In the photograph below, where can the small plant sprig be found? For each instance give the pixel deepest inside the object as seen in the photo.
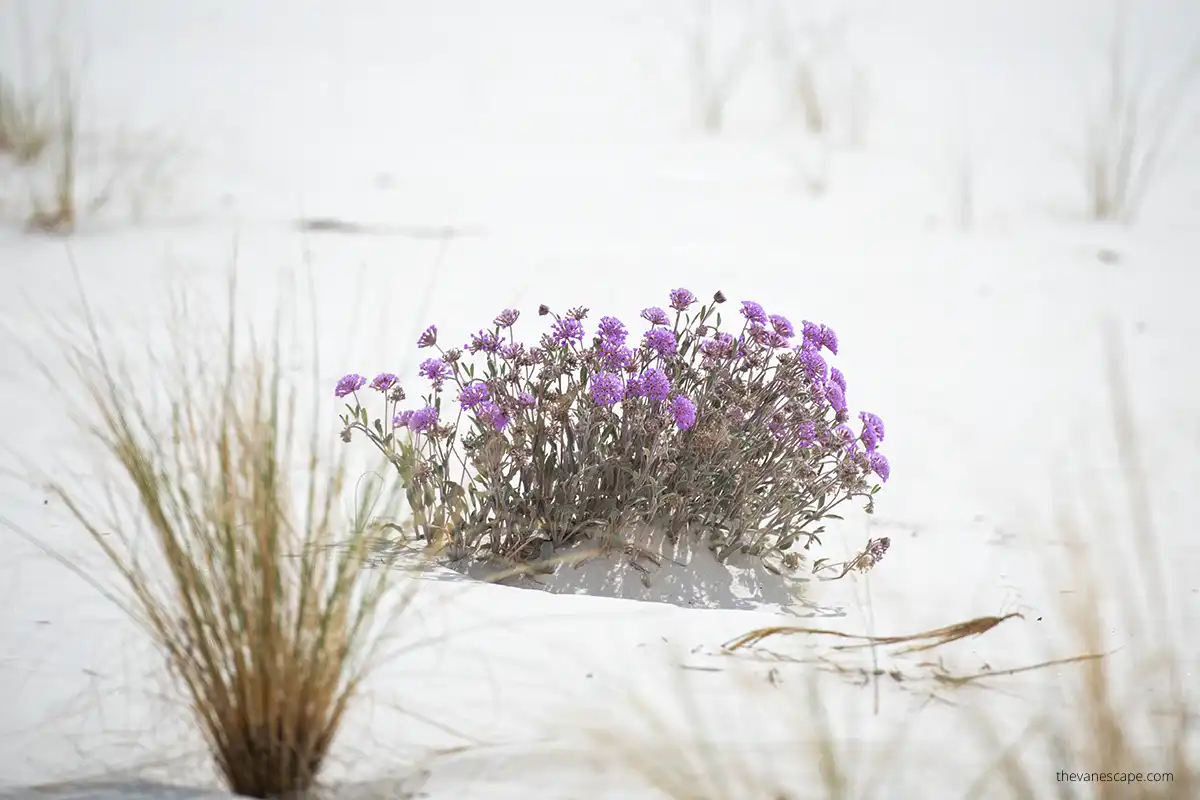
(740, 436)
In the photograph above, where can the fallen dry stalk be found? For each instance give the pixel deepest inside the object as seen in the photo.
(926, 640)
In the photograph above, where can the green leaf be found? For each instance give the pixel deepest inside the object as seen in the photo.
(379, 427)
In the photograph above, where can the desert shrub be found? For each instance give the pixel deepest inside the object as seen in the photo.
(737, 435)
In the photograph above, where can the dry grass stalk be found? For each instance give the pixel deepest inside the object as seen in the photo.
(1132, 132)
(714, 80)
(926, 640)
(269, 647)
(1104, 728)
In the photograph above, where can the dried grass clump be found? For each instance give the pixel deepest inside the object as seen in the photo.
(1134, 129)
(269, 628)
(25, 131)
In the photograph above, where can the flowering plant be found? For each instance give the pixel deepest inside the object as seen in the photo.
(741, 435)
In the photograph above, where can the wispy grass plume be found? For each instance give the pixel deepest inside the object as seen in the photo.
(225, 530)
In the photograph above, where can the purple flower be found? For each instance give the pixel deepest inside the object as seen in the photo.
(507, 318)
(526, 399)
(383, 381)
(401, 420)
(429, 337)
(485, 341)
(661, 341)
(634, 387)
(829, 339)
(836, 376)
(720, 346)
(511, 352)
(612, 330)
(880, 465)
(566, 330)
(684, 411)
(806, 433)
(607, 389)
(473, 394)
(655, 316)
(681, 299)
(872, 432)
(754, 312)
(814, 364)
(836, 397)
(655, 385)
(493, 415)
(349, 384)
(820, 336)
(436, 370)
(782, 326)
(423, 419)
(767, 337)
(844, 433)
(614, 357)
(869, 438)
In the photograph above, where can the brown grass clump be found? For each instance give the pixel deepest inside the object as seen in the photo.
(25, 132)
(268, 627)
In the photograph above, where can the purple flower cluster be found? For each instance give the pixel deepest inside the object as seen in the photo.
(655, 316)
(681, 299)
(566, 330)
(494, 416)
(754, 312)
(723, 345)
(349, 384)
(782, 326)
(607, 389)
(819, 336)
(417, 421)
(473, 394)
(612, 330)
(507, 318)
(436, 370)
(484, 341)
(383, 381)
(661, 341)
(684, 411)
(653, 384)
